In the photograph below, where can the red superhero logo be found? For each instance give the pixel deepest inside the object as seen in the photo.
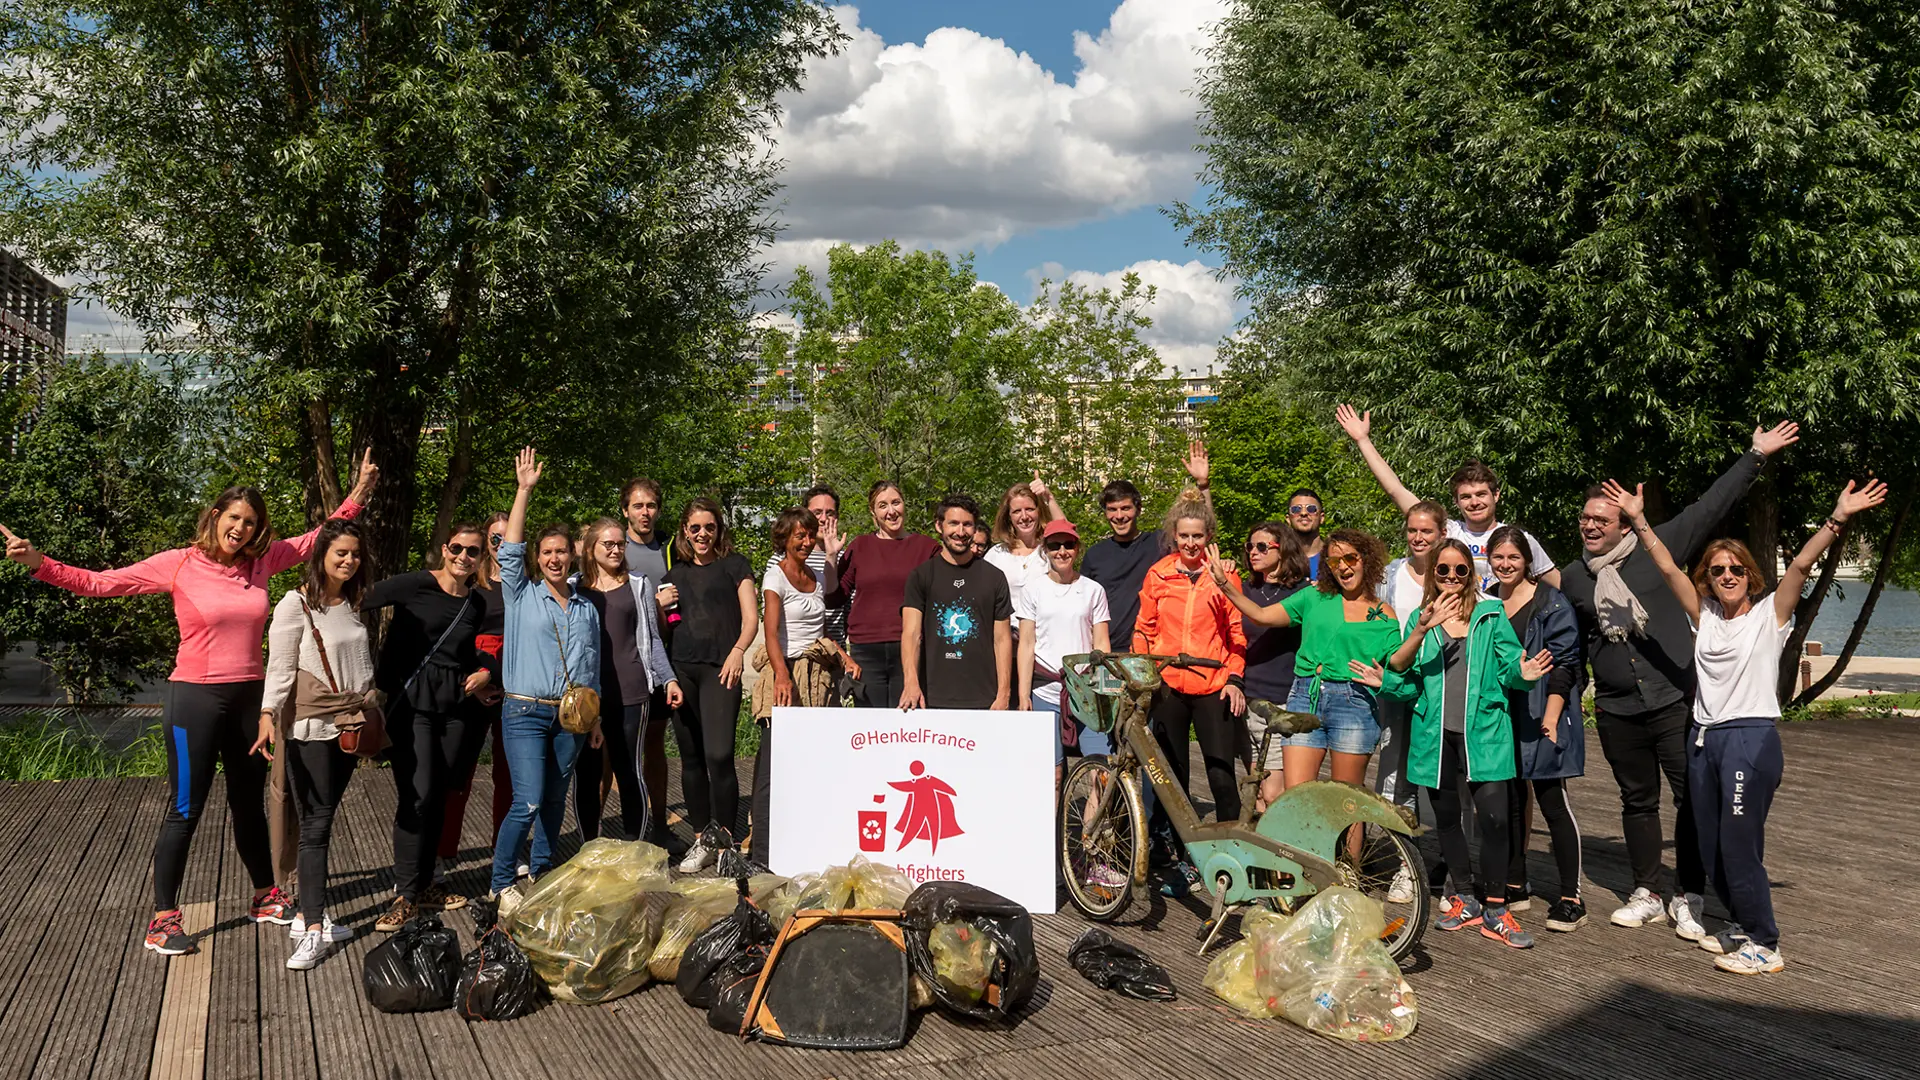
(928, 814)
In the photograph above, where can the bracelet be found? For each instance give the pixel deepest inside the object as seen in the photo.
(1835, 524)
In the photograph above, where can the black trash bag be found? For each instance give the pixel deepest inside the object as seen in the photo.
(1118, 966)
(496, 980)
(733, 983)
(1012, 967)
(744, 928)
(415, 970)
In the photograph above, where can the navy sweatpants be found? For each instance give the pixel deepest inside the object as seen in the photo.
(1733, 769)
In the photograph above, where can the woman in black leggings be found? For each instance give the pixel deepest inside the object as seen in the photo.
(719, 614)
(428, 668)
(212, 704)
(1549, 739)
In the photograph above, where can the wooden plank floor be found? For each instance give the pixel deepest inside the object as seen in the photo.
(79, 997)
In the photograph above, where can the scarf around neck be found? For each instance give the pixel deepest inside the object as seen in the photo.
(1619, 610)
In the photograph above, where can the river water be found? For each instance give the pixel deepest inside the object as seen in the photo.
(1894, 631)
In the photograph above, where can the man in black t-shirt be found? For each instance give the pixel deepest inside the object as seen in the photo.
(1119, 563)
(956, 644)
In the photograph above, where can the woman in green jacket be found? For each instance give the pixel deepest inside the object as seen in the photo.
(1456, 666)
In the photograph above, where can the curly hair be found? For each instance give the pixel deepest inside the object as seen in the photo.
(1373, 562)
(1292, 567)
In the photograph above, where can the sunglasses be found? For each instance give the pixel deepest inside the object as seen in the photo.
(703, 528)
(1452, 571)
(1063, 545)
(1259, 547)
(1302, 511)
(1727, 571)
(1345, 560)
(471, 551)
(494, 539)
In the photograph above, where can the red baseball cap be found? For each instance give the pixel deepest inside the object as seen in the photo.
(1060, 527)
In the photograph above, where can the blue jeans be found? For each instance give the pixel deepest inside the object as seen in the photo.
(1348, 721)
(540, 756)
(1091, 742)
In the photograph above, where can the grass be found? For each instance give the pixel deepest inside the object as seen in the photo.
(1867, 707)
(40, 747)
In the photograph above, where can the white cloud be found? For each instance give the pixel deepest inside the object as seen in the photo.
(960, 141)
(1193, 306)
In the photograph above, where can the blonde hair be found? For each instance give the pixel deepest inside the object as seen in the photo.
(1003, 531)
(1188, 504)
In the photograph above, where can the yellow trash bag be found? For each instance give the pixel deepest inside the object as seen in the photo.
(697, 904)
(1325, 969)
(590, 925)
(860, 885)
(962, 957)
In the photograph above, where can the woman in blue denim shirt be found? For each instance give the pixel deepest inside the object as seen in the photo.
(552, 638)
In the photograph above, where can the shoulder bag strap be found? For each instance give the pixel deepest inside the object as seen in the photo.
(320, 644)
(444, 635)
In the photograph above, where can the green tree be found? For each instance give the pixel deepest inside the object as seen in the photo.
(102, 478)
(1582, 239)
(411, 223)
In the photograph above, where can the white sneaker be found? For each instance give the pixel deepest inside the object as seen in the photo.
(329, 930)
(308, 953)
(1752, 959)
(1685, 913)
(697, 858)
(523, 870)
(509, 900)
(1401, 891)
(1641, 908)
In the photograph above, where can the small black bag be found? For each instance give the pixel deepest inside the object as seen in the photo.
(1118, 966)
(497, 980)
(745, 927)
(1016, 967)
(415, 970)
(733, 984)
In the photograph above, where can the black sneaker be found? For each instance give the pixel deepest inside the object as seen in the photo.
(167, 936)
(1566, 915)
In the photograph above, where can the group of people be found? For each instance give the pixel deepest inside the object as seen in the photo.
(1457, 670)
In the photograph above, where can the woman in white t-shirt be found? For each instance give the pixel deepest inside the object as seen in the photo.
(1060, 614)
(1024, 511)
(1734, 759)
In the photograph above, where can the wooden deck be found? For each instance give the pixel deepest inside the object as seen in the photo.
(79, 997)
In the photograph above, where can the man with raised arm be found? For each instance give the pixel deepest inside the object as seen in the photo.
(1476, 495)
(1120, 562)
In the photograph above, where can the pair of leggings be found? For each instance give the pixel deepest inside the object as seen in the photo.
(428, 749)
(1643, 748)
(1551, 797)
(703, 726)
(881, 677)
(460, 787)
(1174, 715)
(623, 729)
(318, 772)
(1735, 767)
(759, 848)
(204, 723)
(1490, 802)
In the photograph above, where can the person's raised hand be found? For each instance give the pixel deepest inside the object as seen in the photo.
(1038, 487)
(1770, 441)
(1367, 674)
(369, 475)
(1358, 425)
(1632, 504)
(830, 542)
(1535, 666)
(1197, 463)
(1219, 569)
(1445, 608)
(1851, 502)
(21, 550)
(526, 468)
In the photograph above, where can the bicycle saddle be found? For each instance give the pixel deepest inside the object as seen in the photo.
(1280, 721)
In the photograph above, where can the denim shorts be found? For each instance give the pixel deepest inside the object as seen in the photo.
(1349, 719)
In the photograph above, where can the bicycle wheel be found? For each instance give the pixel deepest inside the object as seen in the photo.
(1390, 870)
(1098, 862)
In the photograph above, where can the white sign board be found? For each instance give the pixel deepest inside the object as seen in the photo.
(939, 794)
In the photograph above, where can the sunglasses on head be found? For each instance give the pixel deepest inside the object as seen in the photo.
(471, 551)
(1452, 571)
(1727, 571)
(1302, 510)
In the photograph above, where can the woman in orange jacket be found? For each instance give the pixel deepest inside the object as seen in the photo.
(1182, 610)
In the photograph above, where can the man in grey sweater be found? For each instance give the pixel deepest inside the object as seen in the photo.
(1640, 646)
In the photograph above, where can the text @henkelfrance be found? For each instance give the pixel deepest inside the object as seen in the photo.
(909, 737)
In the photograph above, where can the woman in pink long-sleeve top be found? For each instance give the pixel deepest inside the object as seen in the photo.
(212, 704)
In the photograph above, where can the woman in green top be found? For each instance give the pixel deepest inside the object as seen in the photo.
(1456, 668)
(1342, 619)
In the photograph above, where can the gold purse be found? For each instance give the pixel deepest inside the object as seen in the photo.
(579, 705)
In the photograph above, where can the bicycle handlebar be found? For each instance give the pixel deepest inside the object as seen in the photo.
(1160, 661)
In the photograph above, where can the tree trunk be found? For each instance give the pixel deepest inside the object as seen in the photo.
(459, 468)
(323, 466)
(1763, 522)
(1880, 571)
(1804, 613)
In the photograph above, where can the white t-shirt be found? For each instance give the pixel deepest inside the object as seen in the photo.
(1020, 569)
(803, 615)
(1737, 662)
(1404, 592)
(1063, 618)
(1477, 544)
